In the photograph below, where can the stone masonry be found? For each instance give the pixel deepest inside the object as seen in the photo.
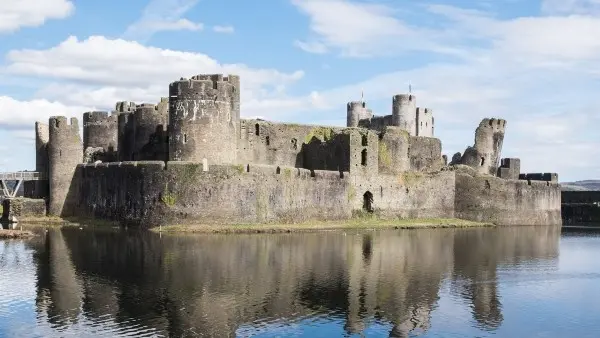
(192, 159)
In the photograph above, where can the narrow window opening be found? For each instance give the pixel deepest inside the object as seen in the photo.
(482, 161)
(184, 138)
(363, 160)
(257, 129)
(365, 141)
(267, 140)
(278, 171)
(248, 168)
(368, 202)
(60, 153)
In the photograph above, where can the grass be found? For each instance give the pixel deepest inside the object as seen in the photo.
(362, 223)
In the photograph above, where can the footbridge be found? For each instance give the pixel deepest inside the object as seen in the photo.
(17, 179)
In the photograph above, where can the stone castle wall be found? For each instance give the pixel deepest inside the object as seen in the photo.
(507, 202)
(152, 193)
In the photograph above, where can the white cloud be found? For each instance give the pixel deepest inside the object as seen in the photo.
(313, 47)
(100, 71)
(15, 14)
(224, 29)
(162, 15)
(177, 25)
(33, 110)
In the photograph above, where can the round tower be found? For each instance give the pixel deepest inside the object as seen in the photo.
(65, 152)
(125, 136)
(204, 116)
(100, 130)
(354, 111)
(150, 131)
(404, 111)
(125, 110)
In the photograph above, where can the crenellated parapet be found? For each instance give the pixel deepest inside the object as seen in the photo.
(65, 152)
(204, 119)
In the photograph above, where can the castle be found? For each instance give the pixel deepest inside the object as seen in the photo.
(192, 159)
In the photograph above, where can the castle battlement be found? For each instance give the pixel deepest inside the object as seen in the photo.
(191, 158)
(125, 106)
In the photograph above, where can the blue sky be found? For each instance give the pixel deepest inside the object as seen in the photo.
(533, 62)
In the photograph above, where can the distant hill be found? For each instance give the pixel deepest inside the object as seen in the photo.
(586, 185)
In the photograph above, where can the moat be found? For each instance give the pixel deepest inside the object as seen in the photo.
(506, 282)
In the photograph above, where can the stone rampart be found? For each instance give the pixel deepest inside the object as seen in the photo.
(507, 202)
(151, 193)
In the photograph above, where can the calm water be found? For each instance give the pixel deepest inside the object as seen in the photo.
(508, 282)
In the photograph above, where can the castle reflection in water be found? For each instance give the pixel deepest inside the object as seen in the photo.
(219, 284)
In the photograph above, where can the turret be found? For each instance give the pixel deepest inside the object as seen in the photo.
(100, 130)
(404, 110)
(65, 152)
(150, 132)
(204, 116)
(124, 110)
(353, 113)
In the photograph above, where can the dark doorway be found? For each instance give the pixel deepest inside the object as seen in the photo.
(368, 202)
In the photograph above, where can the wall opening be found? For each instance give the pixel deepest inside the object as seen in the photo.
(368, 202)
(257, 129)
(248, 168)
(278, 171)
(482, 161)
(267, 140)
(184, 138)
(363, 157)
(365, 141)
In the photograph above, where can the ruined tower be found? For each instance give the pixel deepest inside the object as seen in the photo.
(39, 189)
(424, 122)
(485, 154)
(125, 137)
(65, 152)
(204, 116)
(404, 110)
(150, 132)
(100, 130)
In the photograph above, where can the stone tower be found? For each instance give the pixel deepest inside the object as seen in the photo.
(125, 137)
(404, 111)
(204, 117)
(485, 153)
(356, 111)
(150, 133)
(100, 130)
(65, 152)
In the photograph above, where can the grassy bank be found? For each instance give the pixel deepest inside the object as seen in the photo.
(358, 224)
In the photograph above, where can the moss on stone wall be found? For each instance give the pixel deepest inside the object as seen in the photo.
(384, 155)
(410, 178)
(351, 193)
(324, 134)
(167, 197)
(287, 172)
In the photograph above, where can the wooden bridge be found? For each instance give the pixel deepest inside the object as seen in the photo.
(18, 178)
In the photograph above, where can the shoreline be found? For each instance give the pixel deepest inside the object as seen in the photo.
(316, 226)
(362, 223)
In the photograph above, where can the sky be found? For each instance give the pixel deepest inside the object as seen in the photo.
(535, 63)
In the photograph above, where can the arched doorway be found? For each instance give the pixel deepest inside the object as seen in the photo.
(368, 202)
